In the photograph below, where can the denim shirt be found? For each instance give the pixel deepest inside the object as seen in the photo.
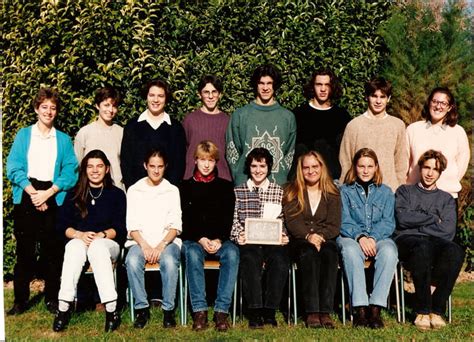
(371, 215)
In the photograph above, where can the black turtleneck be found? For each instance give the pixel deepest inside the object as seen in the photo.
(365, 185)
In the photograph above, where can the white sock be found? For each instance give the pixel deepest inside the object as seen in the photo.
(111, 306)
(63, 305)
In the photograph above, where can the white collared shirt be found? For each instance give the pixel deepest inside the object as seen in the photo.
(264, 186)
(146, 116)
(42, 154)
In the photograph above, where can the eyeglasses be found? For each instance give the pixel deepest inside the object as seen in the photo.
(442, 104)
(208, 93)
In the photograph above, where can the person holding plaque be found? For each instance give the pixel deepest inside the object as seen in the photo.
(312, 209)
(261, 199)
(367, 224)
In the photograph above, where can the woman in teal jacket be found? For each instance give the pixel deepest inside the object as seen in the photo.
(42, 166)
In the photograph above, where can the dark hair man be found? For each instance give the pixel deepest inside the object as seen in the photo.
(320, 123)
(426, 219)
(383, 133)
(262, 123)
(153, 129)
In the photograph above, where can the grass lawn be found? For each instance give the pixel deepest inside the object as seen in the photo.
(36, 324)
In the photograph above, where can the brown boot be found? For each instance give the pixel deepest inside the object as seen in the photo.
(222, 324)
(312, 320)
(361, 317)
(326, 320)
(200, 320)
(375, 319)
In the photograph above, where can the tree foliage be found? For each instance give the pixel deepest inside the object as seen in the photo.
(430, 44)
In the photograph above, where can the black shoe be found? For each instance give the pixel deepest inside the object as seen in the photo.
(375, 321)
(268, 316)
(168, 319)
(255, 319)
(361, 317)
(52, 306)
(17, 309)
(112, 320)
(61, 320)
(141, 317)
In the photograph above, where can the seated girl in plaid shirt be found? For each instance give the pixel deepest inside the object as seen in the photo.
(259, 198)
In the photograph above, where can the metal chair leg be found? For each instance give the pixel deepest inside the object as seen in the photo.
(343, 297)
(295, 309)
(402, 293)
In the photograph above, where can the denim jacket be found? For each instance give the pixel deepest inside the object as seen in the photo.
(371, 215)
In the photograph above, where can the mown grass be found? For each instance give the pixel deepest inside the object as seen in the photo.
(35, 325)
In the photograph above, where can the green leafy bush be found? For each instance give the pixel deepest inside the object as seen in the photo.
(78, 46)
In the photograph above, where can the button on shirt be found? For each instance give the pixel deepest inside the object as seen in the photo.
(42, 154)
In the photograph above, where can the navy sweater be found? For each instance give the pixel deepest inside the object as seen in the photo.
(109, 211)
(140, 137)
(425, 212)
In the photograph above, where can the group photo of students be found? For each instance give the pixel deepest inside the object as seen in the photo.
(342, 191)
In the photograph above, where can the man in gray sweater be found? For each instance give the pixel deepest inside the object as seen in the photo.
(426, 227)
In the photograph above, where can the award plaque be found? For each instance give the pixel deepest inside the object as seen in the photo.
(263, 231)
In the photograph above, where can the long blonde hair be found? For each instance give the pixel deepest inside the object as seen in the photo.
(296, 188)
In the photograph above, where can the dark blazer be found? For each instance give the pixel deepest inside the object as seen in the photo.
(326, 221)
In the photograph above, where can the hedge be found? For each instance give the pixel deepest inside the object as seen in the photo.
(78, 46)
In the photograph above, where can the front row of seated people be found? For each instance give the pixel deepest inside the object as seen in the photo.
(321, 222)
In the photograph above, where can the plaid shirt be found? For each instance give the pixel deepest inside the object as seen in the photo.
(250, 203)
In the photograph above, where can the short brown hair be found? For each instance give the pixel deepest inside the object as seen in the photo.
(378, 83)
(105, 93)
(451, 118)
(47, 94)
(441, 161)
(156, 83)
(207, 148)
(351, 175)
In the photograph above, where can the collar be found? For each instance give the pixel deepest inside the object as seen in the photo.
(429, 125)
(36, 132)
(146, 116)
(264, 186)
(422, 187)
(198, 177)
(371, 117)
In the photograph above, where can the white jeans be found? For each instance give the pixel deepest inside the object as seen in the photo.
(100, 253)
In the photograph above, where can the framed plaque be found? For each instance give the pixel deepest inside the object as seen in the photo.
(263, 231)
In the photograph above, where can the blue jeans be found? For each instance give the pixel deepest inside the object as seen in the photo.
(169, 265)
(195, 255)
(353, 258)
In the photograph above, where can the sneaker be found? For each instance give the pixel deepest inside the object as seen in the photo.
(422, 322)
(436, 321)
